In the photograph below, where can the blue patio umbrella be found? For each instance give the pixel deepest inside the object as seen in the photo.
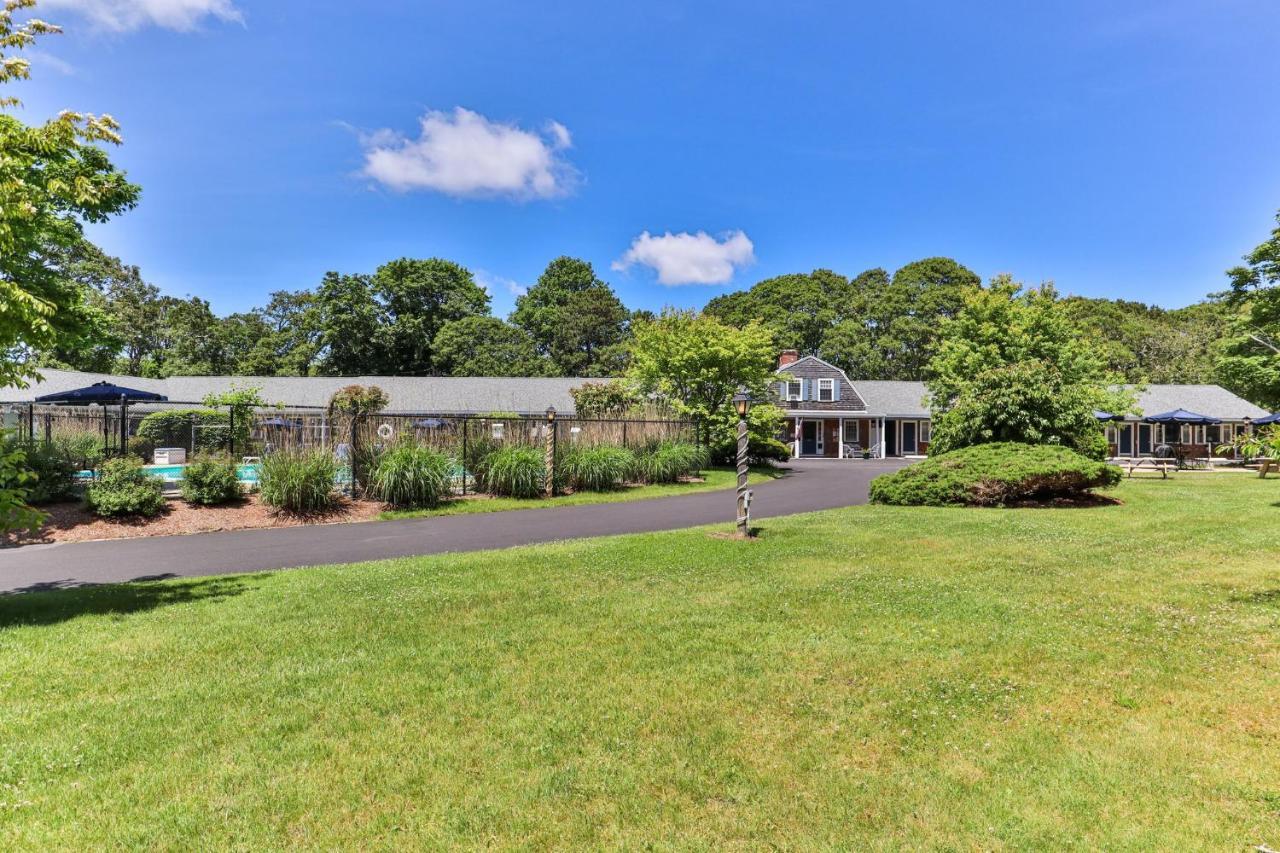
(1269, 419)
(1106, 416)
(429, 423)
(105, 394)
(1181, 416)
(288, 423)
(102, 393)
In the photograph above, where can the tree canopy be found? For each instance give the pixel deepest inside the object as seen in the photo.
(53, 178)
(486, 346)
(574, 318)
(1250, 359)
(1012, 366)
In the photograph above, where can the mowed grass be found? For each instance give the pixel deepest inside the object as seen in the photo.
(710, 480)
(869, 678)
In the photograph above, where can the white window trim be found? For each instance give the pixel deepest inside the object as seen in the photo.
(829, 386)
(856, 438)
(798, 392)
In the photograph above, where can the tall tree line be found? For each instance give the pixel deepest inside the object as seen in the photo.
(431, 317)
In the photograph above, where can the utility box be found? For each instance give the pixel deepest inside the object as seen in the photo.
(170, 456)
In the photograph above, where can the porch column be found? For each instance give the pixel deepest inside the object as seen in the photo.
(839, 438)
(797, 438)
(880, 439)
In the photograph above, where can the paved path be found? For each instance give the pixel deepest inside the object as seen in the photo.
(811, 485)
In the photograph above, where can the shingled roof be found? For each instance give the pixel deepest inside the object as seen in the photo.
(413, 394)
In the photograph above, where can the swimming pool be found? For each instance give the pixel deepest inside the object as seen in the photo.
(173, 473)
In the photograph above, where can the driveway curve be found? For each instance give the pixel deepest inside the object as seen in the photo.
(811, 484)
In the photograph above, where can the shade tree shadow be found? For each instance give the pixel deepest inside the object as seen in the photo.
(51, 602)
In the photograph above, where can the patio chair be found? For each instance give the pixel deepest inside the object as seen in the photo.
(852, 450)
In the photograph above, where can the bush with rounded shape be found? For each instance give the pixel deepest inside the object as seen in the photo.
(124, 488)
(195, 429)
(211, 480)
(518, 472)
(300, 482)
(994, 475)
(409, 475)
(597, 469)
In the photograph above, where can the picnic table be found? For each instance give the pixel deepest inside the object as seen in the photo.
(1150, 463)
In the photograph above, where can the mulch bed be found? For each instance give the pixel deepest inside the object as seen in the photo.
(71, 522)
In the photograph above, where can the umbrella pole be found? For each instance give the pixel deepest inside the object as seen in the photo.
(124, 425)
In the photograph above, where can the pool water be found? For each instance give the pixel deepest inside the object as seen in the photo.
(173, 473)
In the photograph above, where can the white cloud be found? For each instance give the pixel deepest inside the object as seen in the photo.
(40, 59)
(686, 258)
(465, 154)
(491, 283)
(125, 15)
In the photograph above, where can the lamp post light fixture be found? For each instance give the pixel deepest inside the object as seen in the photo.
(549, 460)
(742, 405)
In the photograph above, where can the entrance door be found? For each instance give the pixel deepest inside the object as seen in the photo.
(809, 438)
(890, 438)
(1126, 440)
(909, 437)
(1144, 438)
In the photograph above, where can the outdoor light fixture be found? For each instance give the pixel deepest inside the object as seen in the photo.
(551, 413)
(742, 402)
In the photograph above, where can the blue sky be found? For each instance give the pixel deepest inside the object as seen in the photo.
(1124, 150)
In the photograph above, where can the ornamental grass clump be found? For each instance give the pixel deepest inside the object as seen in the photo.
(597, 469)
(669, 462)
(211, 480)
(518, 472)
(994, 475)
(408, 475)
(299, 482)
(124, 488)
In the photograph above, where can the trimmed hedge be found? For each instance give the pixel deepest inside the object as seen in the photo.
(994, 475)
(172, 428)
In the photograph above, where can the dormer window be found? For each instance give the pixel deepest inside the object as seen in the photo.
(795, 388)
(826, 390)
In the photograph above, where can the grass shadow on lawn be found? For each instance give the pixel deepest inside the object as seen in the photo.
(52, 602)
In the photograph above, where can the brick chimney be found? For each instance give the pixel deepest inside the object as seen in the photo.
(787, 356)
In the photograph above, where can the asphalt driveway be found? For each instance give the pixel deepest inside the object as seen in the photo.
(810, 485)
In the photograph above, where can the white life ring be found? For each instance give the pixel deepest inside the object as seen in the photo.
(385, 431)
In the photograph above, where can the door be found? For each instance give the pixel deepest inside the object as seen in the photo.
(890, 438)
(809, 438)
(1126, 440)
(909, 437)
(1144, 438)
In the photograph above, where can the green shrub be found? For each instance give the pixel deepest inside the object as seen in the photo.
(83, 449)
(411, 476)
(596, 469)
(55, 474)
(299, 482)
(211, 480)
(519, 472)
(669, 462)
(124, 488)
(993, 475)
(173, 428)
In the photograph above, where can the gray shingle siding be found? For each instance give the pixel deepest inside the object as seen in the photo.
(810, 369)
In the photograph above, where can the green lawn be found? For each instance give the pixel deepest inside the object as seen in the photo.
(866, 678)
(712, 479)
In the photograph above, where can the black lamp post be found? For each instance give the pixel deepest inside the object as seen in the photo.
(549, 461)
(742, 405)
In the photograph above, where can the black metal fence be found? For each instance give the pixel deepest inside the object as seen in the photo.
(95, 432)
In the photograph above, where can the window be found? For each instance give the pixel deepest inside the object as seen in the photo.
(826, 390)
(924, 430)
(794, 389)
(852, 432)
